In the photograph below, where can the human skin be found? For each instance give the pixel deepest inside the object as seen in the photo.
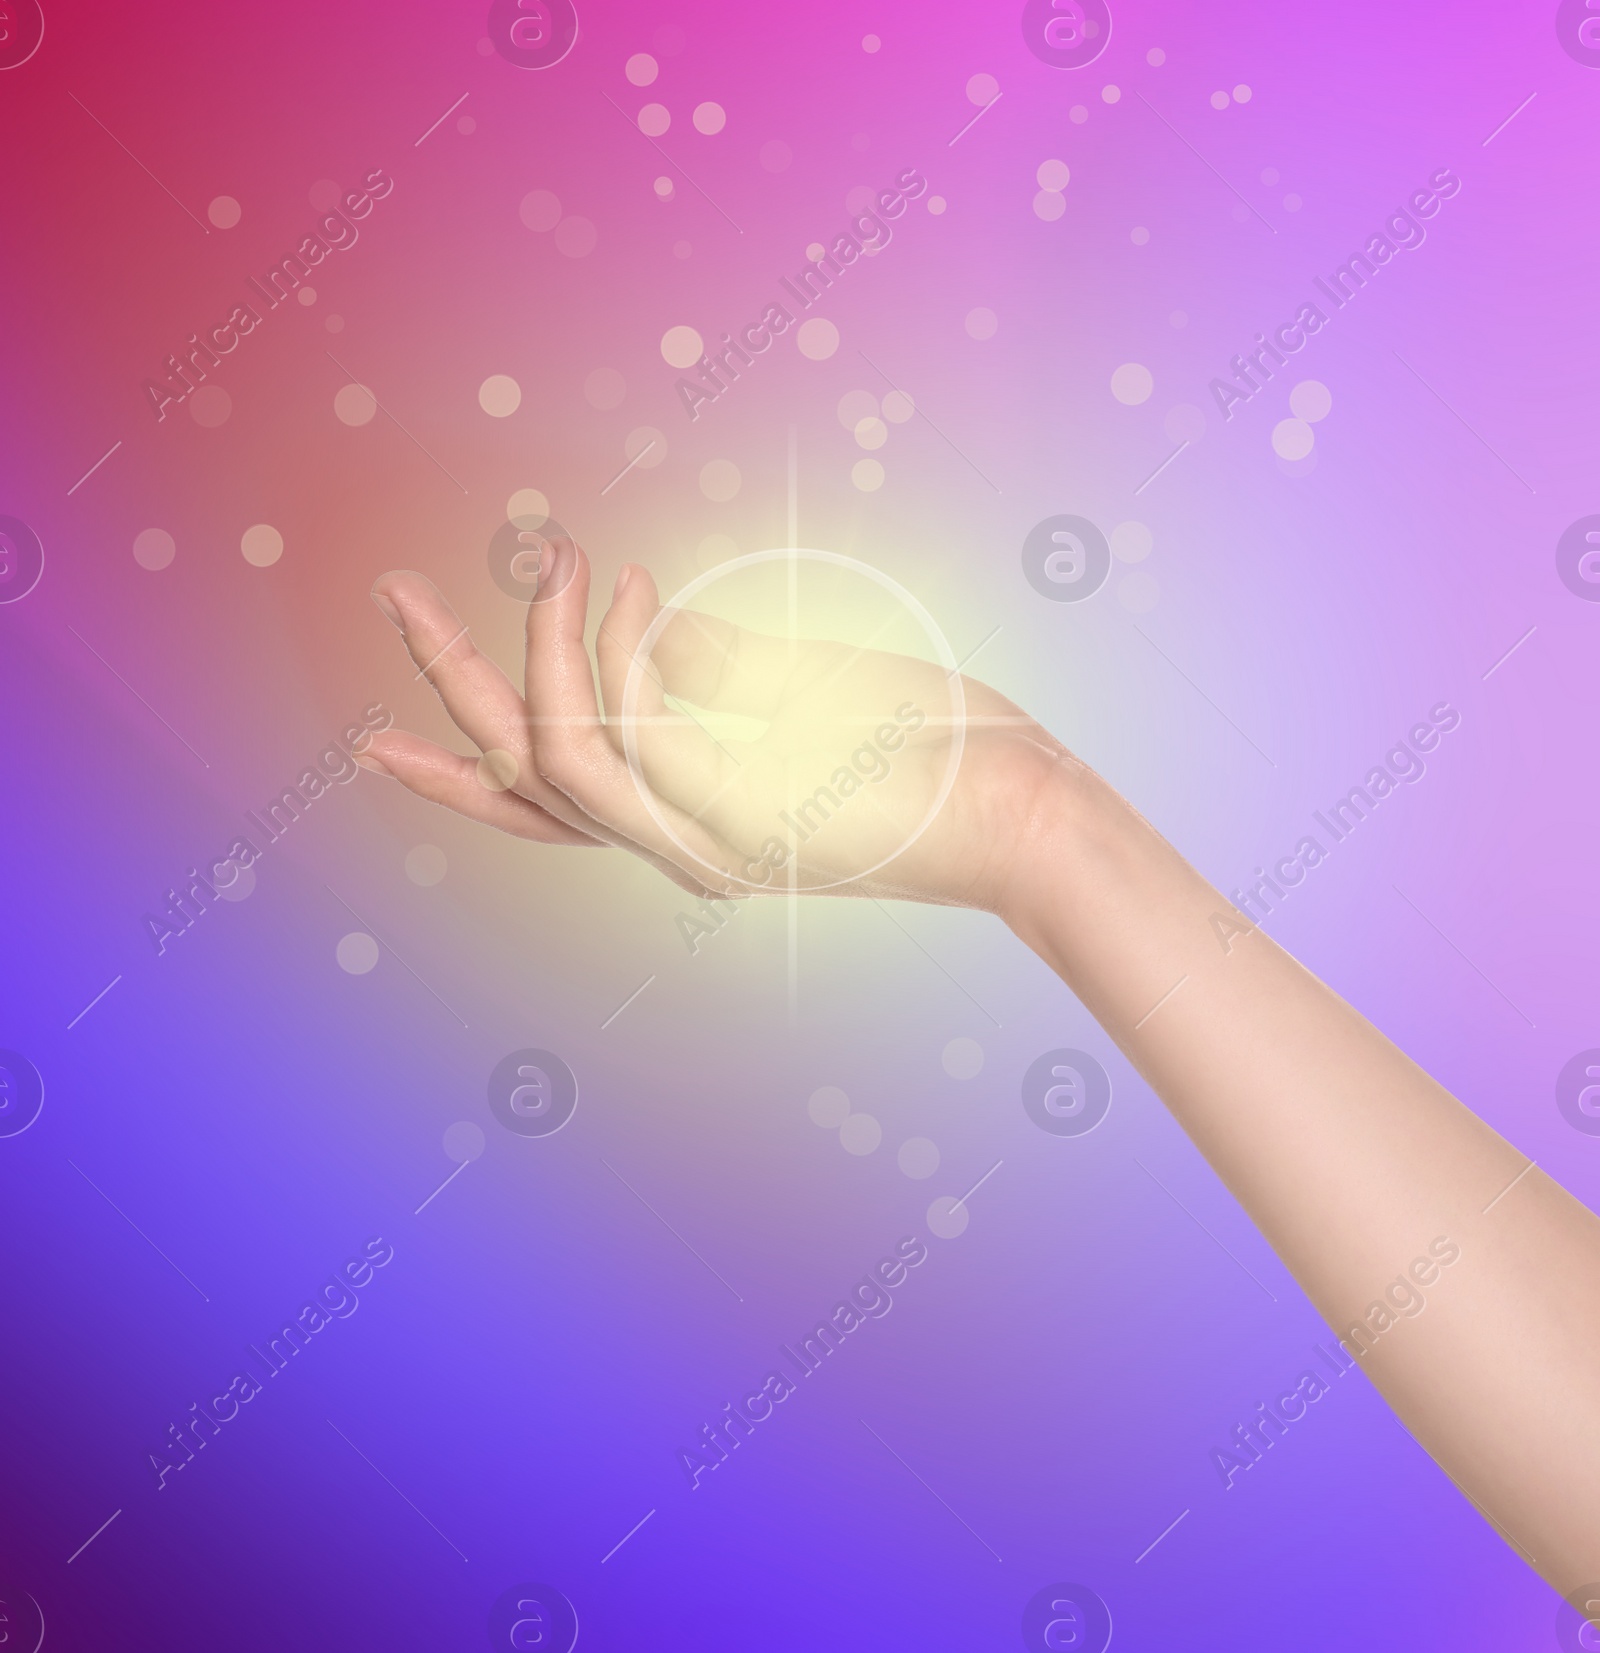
(1350, 1159)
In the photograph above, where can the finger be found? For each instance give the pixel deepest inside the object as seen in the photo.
(634, 605)
(459, 784)
(680, 758)
(721, 666)
(715, 664)
(469, 786)
(480, 698)
(571, 750)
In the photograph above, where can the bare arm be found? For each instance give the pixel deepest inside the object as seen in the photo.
(1353, 1163)
(1466, 1282)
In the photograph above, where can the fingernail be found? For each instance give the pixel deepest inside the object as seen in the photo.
(624, 577)
(387, 608)
(557, 563)
(367, 761)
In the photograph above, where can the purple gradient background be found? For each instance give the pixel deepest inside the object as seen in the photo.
(526, 1369)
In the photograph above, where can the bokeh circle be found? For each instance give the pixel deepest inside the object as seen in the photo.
(834, 559)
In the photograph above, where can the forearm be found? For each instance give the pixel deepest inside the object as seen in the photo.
(1352, 1161)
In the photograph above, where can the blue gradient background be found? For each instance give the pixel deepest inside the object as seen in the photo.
(526, 1370)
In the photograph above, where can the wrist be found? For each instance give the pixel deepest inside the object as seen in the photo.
(1100, 895)
(1062, 816)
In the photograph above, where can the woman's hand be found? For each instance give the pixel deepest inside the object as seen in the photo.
(875, 773)
(872, 774)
